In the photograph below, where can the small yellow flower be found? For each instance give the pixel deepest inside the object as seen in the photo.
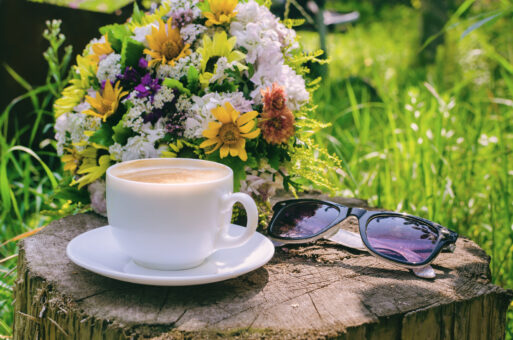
(229, 133)
(166, 44)
(221, 12)
(100, 49)
(86, 68)
(92, 167)
(106, 104)
(72, 95)
(178, 148)
(71, 160)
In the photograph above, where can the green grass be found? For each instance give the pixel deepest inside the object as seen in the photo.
(434, 141)
(29, 174)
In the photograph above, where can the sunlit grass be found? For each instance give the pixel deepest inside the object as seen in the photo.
(434, 142)
(29, 174)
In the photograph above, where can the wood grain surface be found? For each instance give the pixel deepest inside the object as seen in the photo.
(322, 290)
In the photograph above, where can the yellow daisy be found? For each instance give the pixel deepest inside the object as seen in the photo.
(221, 12)
(166, 44)
(105, 104)
(213, 49)
(230, 132)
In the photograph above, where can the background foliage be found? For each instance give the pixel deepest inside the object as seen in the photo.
(434, 140)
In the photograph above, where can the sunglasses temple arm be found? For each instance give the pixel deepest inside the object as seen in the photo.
(348, 239)
(353, 240)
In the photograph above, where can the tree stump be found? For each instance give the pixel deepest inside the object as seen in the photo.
(313, 291)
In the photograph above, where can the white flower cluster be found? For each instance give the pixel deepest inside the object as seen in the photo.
(187, 5)
(262, 182)
(142, 145)
(221, 66)
(191, 32)
(164, 95)
(109, 68)
(133, 119)
(142, 31)
(180, 68)
(70, 128)
(199, 114)
(266, 40)
(183, 103)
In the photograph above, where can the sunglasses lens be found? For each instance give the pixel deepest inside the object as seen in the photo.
(300, 221)
(401, 238)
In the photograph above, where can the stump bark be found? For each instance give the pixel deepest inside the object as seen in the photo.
(306, 291)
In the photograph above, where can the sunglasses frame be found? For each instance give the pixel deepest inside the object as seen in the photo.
(446, 238)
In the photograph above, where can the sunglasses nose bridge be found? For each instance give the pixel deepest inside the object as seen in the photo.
(357, 212)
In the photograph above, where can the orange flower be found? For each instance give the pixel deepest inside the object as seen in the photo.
(277, 123)
(274, 99)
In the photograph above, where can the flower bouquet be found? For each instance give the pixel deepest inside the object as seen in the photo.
(217, 79)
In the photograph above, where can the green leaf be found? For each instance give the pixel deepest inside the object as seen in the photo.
(204, 6)
(252, 162)
(103, 136)
(193, 79)
(274, 160)
(251, 70)
(176, 84)
(121, 133)
(137, 15)
(479, 24)
(71, 193)
(236, 164)
(116, 33)
(131, 52)
(226, 86)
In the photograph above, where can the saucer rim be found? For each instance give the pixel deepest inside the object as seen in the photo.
(166, 280)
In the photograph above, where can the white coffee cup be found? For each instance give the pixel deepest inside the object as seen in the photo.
(178, 224)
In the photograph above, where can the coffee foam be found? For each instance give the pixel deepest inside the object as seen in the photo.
(173, 175)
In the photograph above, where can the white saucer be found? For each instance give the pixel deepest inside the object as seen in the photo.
(97, 251)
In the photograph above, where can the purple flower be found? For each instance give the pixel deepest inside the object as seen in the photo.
(148, 86)
(143, 63)
(143, 91)
(153, 116)
(130, 75)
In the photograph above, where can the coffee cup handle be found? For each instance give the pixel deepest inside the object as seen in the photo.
(226, 241)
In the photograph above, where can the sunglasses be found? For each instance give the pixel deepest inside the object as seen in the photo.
(408, 241)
